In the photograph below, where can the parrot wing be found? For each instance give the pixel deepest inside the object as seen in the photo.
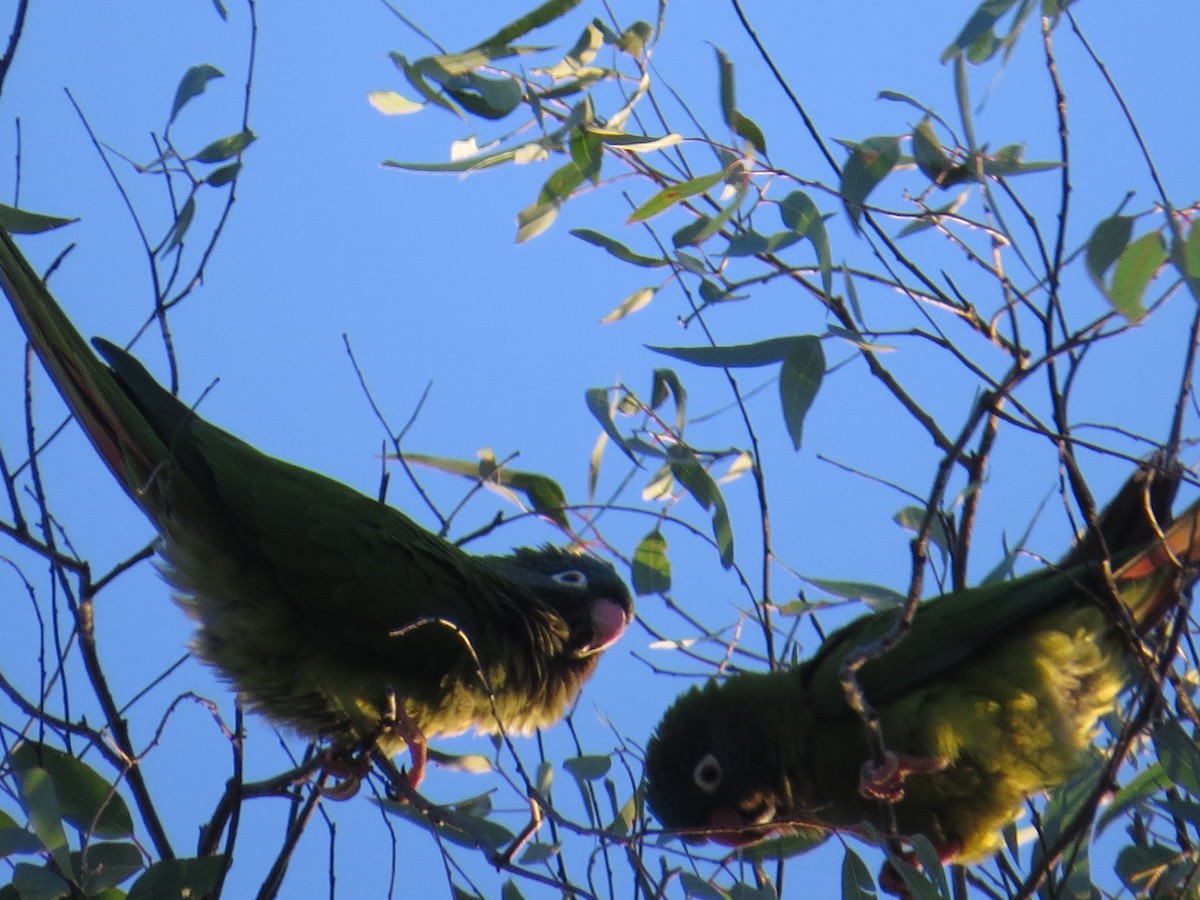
(953, 628)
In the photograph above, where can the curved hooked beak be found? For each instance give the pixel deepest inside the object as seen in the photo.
(609, 621)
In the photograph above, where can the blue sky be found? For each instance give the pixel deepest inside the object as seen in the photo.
(422, 275)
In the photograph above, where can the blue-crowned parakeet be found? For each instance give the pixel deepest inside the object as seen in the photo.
(330, 612)
(993, 696)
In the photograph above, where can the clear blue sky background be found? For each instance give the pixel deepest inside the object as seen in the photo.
(422, 274)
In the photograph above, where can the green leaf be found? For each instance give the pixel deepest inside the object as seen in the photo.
(927, 112)
(723, 532)
(633, 40)
(978, 27)
(617, 249)
(749, 243)
(869, 163)
(1104, 247)
(858, 340)
(910, 517)
(474, 763)
(587, 152)
(1144, 785)
(182, 223)
(534, 219)
(225, 148)
(1133, 273)
(1185, 810)
(928, 153)
(710, 225)
(919, 886)
(725, 82)
(88, 800)
(797, 841)
(488, 98)
(38, 883)
(857, 883)
(15, 841)
(667, 384)
(535, 18)
(21, 221)
(801, 214)
(478, 833)
(556, 190)
(582, 54)
(651, 567)
(690, 473)
(1140, 868)
(1190, 264)
(544, 778)
(626, 816)
(108, 864)
(695, 886)
(745, 127)
(391, 103)
(669, 196)
(1178, 755)
(874, 595)
(475, 163)
(178, 878)
(597, 404)
(635, 143)
(544, 495)
(930, 218)
(736, 356)
(631, 304)
(537, 852)
(1062, 810)
(223, 175)
(588, 768)
(45, 814)
(193, 83)
(799, 380)
(1008, 160)
(931, 863)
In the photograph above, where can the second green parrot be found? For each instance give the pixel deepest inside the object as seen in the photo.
(991, 697)
(330, 612)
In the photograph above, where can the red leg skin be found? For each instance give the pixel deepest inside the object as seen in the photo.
(418, 746)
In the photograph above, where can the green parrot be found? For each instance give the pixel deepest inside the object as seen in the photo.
(993, 696)
(328, 611)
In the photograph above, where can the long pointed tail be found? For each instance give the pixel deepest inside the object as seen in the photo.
(1151, 581)
(113, 422)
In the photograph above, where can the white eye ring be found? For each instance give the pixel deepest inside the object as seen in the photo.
(707, 774)
(571, 578)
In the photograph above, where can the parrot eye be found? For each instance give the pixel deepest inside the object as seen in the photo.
(707, 774)
(571, 578)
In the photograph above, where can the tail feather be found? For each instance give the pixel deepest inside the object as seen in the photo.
(117, 429)
(1151, 581)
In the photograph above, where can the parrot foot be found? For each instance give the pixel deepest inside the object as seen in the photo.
(348, 768)
(397, 721)
(886, 781)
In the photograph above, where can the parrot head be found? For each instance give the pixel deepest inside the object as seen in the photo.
(714, 767)
(585, 592)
